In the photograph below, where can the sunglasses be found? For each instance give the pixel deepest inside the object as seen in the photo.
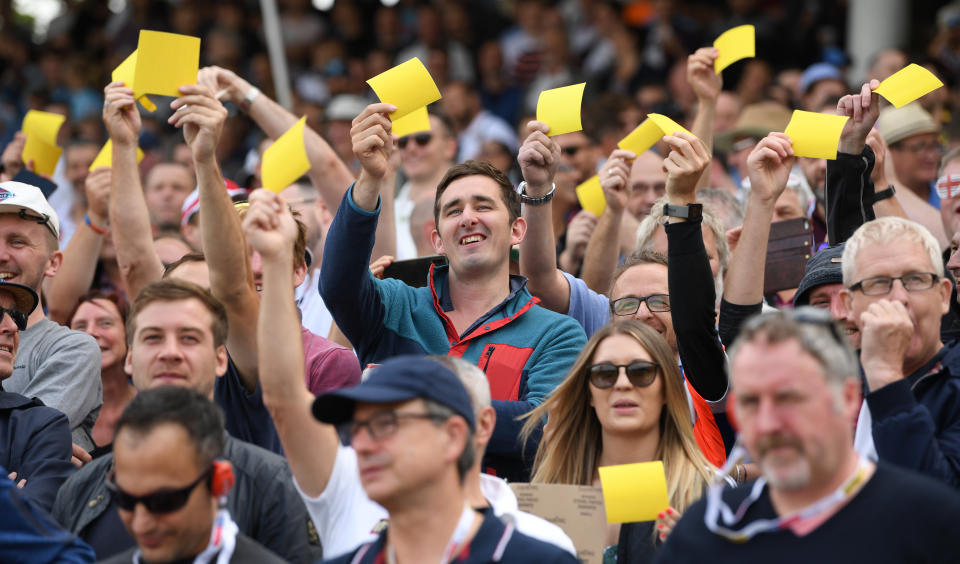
(571, 150)
(163, 501)
(420, 139)
(19, 318)
(641, 373)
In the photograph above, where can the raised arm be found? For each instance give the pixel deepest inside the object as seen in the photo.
(539, 158)
(707, 85)
(201, 117)
(82, 253)
(603, 250)
(129, 216)
(310, 446)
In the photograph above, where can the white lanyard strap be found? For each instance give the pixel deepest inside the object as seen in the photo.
(459, 535)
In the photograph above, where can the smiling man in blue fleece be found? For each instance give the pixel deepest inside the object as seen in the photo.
(473, 308)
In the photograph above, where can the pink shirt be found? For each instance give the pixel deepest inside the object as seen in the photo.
(329, 366)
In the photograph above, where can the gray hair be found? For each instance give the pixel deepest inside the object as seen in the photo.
(710, 219)
(883, 231)
(730, 210)
(816, 332)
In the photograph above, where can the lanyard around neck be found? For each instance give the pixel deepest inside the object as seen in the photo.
(717, 509)
(459, 535)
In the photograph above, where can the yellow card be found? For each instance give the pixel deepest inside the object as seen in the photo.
(634, 492)
(560, 108)
(408, 86)
(41, 129)
(908, 84)
(649, 132)
(286, 160)
(416, 121)
(591, 197)
(125, 72)
(105, 156)
(734, 44)
(815, 135)
(165, 62)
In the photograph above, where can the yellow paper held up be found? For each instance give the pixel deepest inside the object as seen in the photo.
(908, 84)
(41, 129)
(286, 160)
(734, 44)
(815, 135)
(408, 86)
(105, 156)
(649, 132)
(560, 108)
(591, 197)
(634, 492)
(416, 121)
(125, 73)
(165, 62)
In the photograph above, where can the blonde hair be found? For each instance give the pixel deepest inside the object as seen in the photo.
(881, 232)
(570, 452)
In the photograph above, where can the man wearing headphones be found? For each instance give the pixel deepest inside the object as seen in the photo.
(170, 484)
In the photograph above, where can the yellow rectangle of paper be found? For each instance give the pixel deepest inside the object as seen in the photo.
(125, 72)
(41, 129)
(634, 492)
(560, 108)
(286, 160)
(734, 44)
(416, 121)
(649, 132)
(908, 84)
(815, 135)
(408, 86)
(165, 62)
(591, 197)
(105, 156)
(667, 125)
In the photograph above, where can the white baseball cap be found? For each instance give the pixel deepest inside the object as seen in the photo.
(20, 198)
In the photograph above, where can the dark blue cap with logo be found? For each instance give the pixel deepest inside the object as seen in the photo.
(399, 379)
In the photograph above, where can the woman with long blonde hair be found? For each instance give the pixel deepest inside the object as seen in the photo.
(623, 401)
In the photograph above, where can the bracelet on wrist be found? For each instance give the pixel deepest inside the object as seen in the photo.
(531, 201)
(94, 228)
(249, 98)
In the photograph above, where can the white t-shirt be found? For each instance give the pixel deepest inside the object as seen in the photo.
(345, 517)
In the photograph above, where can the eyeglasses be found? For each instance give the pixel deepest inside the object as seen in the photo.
(571, 150)
(641, 373)
(920, 148)
(19, 318)
(881, 285)
(420, 139)
(385, 424)
(163, 501)
(630, 304)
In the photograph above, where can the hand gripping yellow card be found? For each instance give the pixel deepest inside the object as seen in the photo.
(165, 62)
(649, 132)
(634, 492)
(286, 160)
(815, 135)
(908, 84)
(41, 129)
(105, 156)
(591, 197)
(734, 44)
(560, 108)
(408, 86)
(125, 73)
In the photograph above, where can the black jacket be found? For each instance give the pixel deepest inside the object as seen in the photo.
(263, 502)
(247, 551)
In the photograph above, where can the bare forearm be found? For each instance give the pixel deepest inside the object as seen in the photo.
(744, 281)
(366, 191)
(75, 275)
(538, 260)
(231, 277)
(601, 257)
(130, 223)
(385, 241)
(703, 128)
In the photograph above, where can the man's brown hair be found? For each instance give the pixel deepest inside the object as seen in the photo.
(175, 290)
(479, 168)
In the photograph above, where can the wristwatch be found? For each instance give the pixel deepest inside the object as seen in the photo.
(884, 194)
(530, 201)
(689, 211)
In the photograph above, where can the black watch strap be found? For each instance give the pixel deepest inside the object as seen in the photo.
(689, 211)
(884, 194)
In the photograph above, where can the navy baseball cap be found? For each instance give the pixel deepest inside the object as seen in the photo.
(824, 267)
(399, 379)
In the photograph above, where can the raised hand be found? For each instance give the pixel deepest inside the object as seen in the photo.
(769, 166)
(219, 79)
(269, 225)
(120, 114)
(201, 116)
(863, 109)
(97, 187)
(705, 82)
(539, 157)
(378, 266)
(12, 157)
(614, 177)
(879, 174)
(687, 160)
(372, 143)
